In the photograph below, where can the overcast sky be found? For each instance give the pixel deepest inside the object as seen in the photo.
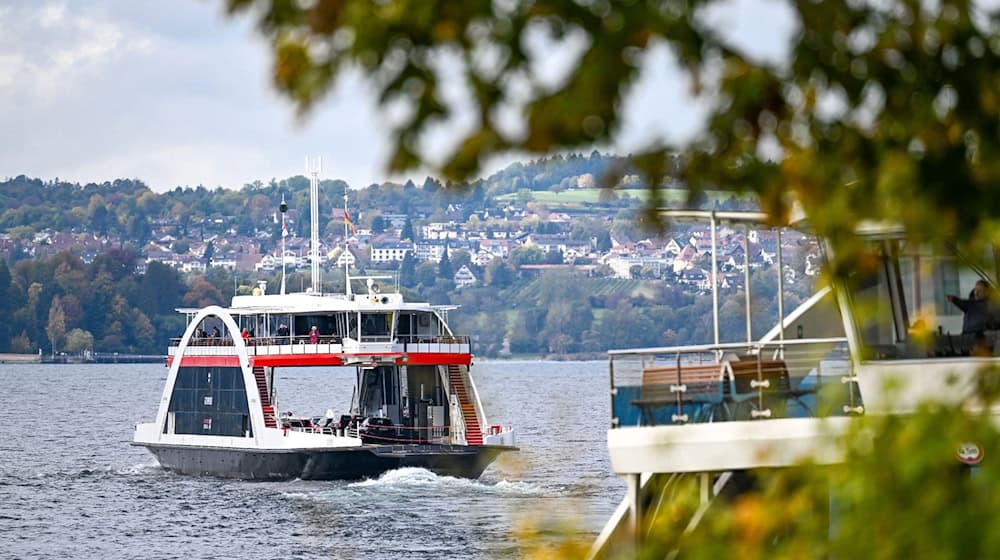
(175, 93)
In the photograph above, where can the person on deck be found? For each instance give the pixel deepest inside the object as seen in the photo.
(313, 335)
(981, 312)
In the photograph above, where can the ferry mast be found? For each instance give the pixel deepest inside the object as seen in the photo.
(314, 167)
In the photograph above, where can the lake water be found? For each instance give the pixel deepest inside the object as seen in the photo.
(71, 486)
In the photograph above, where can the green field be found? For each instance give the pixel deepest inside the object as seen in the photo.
(579, 197)
(593, 286)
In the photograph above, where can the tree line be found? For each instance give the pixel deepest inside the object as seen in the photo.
(63, 304)
(128, 209)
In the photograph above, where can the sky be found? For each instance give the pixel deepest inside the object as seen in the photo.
(178, 94)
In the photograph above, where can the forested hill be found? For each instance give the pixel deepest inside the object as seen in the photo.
(125, 207)
(100, 265)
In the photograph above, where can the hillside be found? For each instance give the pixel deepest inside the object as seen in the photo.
(102, 266)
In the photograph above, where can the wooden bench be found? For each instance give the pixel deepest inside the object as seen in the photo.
(662, 387)
(766, 381)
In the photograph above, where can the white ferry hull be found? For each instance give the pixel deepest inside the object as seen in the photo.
(345, 463)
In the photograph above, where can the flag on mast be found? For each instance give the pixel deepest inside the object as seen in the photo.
(350, 224)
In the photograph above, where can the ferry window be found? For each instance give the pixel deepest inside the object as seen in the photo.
(437, 327)
(928, 278)
(873, 308)
(352, 325)
(424, 324)
(325, 324)
(405, 326)
(901, 305)
(375, 324)
(198, 406)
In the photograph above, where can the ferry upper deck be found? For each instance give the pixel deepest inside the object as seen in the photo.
(329, 330)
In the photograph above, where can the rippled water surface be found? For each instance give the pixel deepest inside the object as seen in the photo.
(71, 486)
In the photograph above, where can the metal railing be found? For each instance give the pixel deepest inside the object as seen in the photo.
(329, 344)
(376, 434)
(432, 339)
(730, 382)
(260, 341)
(443, 344)
(325, 339)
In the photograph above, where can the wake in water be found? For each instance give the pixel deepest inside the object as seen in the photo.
(151, 466)
(138, 469)
(412, 477)
(417, 481)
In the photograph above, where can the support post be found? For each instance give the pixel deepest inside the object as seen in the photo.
(715, 282)
(633, 491)
(611, 391)
(781, 299)
(746, 281)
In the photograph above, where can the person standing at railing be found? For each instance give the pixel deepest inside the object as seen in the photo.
(981, 311)
(313, 335)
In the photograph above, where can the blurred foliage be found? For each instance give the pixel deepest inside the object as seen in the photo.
(901, 492)
(882, 111)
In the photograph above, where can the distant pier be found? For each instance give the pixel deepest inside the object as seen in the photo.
(20, 359)
(89, 358)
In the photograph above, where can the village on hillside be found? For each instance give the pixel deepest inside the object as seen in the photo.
(682, 256)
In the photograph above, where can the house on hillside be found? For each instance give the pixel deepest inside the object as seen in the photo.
(464, 277)
(226, 261)
(346, 258)
(434, 250)
(190, 263)
(268, 263)
(685, 259)
(672, 247)
(389, 251)
(577, 248)
(482, 258)
(441, 230)
(495, 247)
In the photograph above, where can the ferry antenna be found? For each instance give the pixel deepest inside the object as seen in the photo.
(284, 233)
(347, 263)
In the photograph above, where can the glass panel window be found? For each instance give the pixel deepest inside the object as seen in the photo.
(375, 324)
(911, 301)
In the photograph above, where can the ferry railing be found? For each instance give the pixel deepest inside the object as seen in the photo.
(446, 344)
(260, 341)
(294, 344)
(382, 434)
(732, 381)
(375, 338)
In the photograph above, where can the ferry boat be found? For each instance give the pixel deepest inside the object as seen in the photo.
(414, 404)
(698, 418)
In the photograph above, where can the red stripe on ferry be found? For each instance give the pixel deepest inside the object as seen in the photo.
(207, 361)
(421, 359)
